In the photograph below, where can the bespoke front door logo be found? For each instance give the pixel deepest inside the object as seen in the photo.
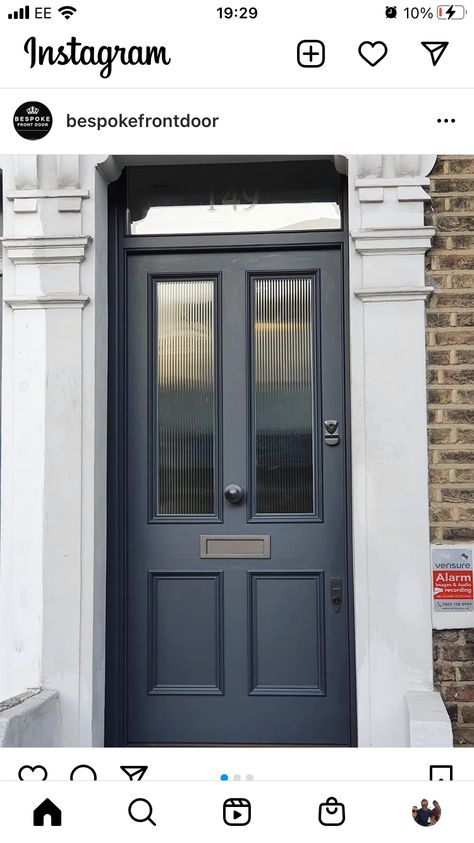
(32, 120)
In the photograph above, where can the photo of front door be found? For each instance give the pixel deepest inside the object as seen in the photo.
(236, 594)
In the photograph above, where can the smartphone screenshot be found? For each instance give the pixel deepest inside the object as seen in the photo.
(236, 419)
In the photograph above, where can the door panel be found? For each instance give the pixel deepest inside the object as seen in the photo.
(234, 360)
(185, 633)
(287, 658)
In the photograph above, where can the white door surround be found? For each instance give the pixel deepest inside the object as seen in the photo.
(54, 441)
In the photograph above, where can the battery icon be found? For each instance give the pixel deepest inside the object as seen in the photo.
(451, 12)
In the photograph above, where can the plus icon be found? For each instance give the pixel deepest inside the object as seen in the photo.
(311, 54)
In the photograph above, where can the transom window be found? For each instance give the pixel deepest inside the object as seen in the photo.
(256, 196)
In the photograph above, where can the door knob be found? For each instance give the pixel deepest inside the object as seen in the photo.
(233, 493)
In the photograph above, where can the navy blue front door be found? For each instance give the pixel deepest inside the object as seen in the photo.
(237, 598)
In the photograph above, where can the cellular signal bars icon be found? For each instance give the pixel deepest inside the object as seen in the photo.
(20, 14)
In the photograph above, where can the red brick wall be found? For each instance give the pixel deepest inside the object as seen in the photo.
(450, 370)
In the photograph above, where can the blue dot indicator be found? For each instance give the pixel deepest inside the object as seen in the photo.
(224, 777)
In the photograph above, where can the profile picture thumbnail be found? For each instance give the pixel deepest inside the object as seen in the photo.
(426, 814)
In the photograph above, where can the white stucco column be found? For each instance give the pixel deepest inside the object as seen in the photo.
(48, 578)
(389, 444)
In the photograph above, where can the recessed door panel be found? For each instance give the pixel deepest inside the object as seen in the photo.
(185, 633)
(287, 633)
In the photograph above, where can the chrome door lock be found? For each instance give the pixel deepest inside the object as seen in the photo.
(331, 436)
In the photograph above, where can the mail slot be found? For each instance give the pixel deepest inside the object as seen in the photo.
(235, 547)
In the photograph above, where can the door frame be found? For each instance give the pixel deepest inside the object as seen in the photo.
(120, 246)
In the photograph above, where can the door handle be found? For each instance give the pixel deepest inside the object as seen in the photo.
(336, 594)
(234, 493)
(331, 435)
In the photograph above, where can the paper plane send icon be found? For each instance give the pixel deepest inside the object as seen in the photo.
(135, 774)
(436, 49)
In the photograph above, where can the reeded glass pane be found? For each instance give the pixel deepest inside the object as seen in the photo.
(185, 397)
(283, 389)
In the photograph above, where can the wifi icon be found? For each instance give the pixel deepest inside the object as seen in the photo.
(67, 11)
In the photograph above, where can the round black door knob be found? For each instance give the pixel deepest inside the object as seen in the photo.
(233, 493)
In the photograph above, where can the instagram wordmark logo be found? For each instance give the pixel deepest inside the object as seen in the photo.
(75, 53)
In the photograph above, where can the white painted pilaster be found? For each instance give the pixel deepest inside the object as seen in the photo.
(389, 441)
(45, 454)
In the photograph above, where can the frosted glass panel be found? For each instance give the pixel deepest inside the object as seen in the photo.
(242, 215)
(283, 390)
(185, 397)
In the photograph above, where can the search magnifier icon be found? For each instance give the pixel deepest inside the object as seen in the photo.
(140, 811)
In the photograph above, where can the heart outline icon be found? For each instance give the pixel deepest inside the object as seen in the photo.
(33, 778)
(373, 45)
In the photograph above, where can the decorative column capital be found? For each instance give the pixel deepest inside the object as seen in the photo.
(393, 241)
(405, 176)
(56, 301)
(46, 250)
(394, 166)
(68, 199)
(388, 230)
(384, 294)
(28, 187)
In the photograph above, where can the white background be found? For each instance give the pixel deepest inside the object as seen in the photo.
(206, 51)
(254, 122)
(264, 764)
(189, 805)
(280, 811)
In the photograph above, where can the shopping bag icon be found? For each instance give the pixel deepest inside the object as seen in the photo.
(332, 812)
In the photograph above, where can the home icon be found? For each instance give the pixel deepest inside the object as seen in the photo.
(47, 809)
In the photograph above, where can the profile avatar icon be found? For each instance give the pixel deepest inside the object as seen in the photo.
(391, 12)
(425, 815)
